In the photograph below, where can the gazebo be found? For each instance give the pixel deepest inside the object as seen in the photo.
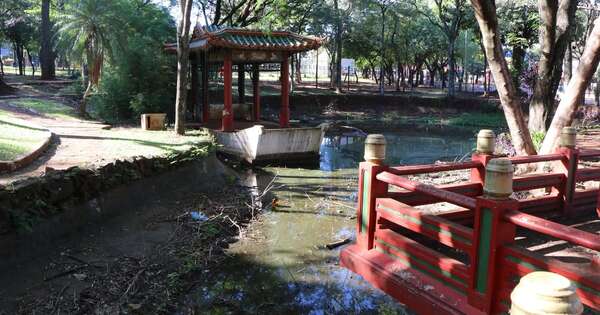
(248, 50)
(227, 46)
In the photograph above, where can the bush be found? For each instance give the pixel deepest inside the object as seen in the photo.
(140, 77)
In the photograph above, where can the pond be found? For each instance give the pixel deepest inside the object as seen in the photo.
(281, 264)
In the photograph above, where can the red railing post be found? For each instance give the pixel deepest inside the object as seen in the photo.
(490, 233)
(569, 168)
(484, 153)
(369, 189)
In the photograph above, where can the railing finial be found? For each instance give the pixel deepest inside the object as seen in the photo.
(375, 149)
(485, 141)
(542, 292)
(498, 179)
(568, 137)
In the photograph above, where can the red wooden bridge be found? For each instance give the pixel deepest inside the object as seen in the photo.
(468, 260)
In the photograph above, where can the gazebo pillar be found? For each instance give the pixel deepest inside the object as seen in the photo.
(255, 92)
(205, 105)
(284, 112)
(227, 120)
(194, 85)
(241, 84)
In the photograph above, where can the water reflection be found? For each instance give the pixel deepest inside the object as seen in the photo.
(343, 148)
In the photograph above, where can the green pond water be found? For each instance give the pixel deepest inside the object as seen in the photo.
(281, 266)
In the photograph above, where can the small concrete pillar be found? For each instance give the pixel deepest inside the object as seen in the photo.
(498, 179)
(568, 137)
(542, 292)
(375, 149)
(486, 141)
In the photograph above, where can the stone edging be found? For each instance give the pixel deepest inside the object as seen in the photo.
(9, 166)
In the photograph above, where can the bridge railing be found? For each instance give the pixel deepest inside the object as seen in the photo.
(467, 244)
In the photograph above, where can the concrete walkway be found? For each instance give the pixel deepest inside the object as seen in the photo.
(88, 143)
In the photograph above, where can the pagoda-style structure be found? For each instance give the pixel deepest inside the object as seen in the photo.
(248, 49)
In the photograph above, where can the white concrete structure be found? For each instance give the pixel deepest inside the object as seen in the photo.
(308, 63)
(261, 145)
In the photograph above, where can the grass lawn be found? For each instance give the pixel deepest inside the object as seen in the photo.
(18, 137)
(45, 107)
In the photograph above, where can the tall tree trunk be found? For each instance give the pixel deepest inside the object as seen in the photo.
(47, 55)
(451, 66)
(485, 12)
(382, 52)
(557, 19)
(298, 71)
(338, 43)
(568, 66)
(518, 58)
(183, 57)
(597, 89)
(588, 63)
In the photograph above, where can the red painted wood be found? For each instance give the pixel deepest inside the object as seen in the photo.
(589, 153)
(419, 292)
(582, 274)
(478, 173)
(430, 190)
(433, 220)
(416, 199)
(534, 181)
(501, 234)
(585, 174)
(284, 112)
(549, 203)
(432, 168)
(563, 232)
(227, 121)
(205, 104)
(598, 204)
(536, 158)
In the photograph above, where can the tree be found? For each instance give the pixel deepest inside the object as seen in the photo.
(183, 57)
(485, 12)
(556, 21)
(588, 63)
(92, 27)
(449, 16)
(47, 55)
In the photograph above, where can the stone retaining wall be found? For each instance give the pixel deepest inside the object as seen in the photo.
(25, 203)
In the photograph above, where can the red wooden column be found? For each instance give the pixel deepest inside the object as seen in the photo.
(256, 92)
(227, 120)
(284, 112)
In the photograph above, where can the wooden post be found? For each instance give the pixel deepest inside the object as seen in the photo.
(485, 152)
(227, 120)
(194, 83)
(490, 233)
(370, 189)
(241, 84)
(205, 105)
(284, 112)
(569, 167)
(256, 92)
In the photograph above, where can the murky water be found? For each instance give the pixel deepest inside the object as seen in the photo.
(281, 265)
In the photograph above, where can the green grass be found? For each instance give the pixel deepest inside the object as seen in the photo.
(494, 120)
(18, 137)
(46, 107)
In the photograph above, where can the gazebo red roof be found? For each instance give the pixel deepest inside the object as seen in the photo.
(209, 37)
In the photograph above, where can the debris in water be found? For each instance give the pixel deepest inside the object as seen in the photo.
(337, 244)
(198, 216)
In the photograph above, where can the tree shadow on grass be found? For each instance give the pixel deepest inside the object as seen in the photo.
(160, 145)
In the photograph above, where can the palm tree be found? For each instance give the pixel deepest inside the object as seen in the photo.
(90, 28)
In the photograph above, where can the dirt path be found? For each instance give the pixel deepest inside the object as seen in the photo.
(87, 143)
